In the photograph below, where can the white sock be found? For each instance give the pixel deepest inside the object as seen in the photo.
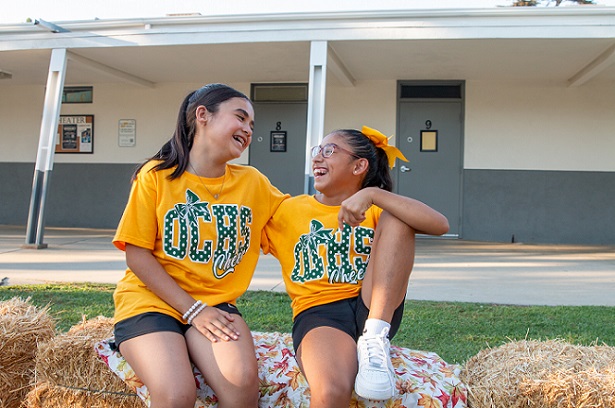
(375, 326)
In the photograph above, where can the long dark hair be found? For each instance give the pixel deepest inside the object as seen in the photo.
(378, 173)
(175, 152)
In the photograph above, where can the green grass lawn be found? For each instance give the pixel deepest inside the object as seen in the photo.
(456, 331)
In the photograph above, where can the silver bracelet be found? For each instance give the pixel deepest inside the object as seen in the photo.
(196, 312)
(189, 311)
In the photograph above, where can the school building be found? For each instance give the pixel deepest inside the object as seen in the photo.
(507, 115)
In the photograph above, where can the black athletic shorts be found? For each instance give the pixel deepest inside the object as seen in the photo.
(152, 322)
(348, 315)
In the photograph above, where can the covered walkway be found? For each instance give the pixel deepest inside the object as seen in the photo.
(445, 269)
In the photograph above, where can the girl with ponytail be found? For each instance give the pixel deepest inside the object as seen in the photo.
(346, 255)
(192, 235)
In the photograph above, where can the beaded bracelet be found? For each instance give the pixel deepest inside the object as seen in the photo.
(196, 312)
(189, 311)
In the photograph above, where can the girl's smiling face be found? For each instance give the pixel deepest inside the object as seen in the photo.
(229, 129)
(337, 174)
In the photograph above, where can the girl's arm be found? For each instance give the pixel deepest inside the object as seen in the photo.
(414, 213)
(212, 322)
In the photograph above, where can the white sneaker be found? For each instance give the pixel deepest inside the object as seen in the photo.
(376, 378)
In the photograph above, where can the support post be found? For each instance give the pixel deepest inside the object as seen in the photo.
(317, 89)
(46, 149)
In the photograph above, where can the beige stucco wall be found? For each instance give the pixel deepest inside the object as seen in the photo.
(21, 109)
(515, 126)
(155, 111)
(368, 103)
(529, 126)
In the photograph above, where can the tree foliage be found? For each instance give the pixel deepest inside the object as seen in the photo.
(556, 3)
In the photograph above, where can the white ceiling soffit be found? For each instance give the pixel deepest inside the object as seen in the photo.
(599, 65)
(97, 66)
(570, 45)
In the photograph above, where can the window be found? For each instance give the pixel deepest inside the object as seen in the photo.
(430, 91)
(77, 94)
(279, 92)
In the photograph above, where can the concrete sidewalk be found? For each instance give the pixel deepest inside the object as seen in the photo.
(445, 269)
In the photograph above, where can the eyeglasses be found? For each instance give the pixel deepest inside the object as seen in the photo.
(328, 149)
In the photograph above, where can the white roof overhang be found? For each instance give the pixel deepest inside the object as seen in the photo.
(572, 45)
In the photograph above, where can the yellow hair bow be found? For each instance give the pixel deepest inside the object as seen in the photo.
(382, 142)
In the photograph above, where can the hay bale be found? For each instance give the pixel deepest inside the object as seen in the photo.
(592, 387)
(541, 374)
(22, 327)
(100, 327)
(70, 373)
(46, 395)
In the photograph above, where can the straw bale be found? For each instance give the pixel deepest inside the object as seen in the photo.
(22, 327)
(541, 374)
(46, 395)
(100, 327)
(590, 388)
(68, 368)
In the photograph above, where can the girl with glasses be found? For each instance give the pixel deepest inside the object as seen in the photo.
(346, 254)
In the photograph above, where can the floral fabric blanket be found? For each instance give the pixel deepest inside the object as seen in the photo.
(423, 378)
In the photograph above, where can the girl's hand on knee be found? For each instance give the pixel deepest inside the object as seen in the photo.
(216, 325)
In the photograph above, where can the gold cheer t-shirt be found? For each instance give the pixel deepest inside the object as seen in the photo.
(320, 263)
(210, 247)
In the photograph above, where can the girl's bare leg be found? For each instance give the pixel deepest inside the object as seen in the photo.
(161, 361)
(383, 290)
(389, 267)
(228, 367)
(328, 359)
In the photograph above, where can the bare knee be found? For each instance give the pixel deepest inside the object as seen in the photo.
(331, 394)
(245, 378)
(395, 227)
(247, 389)
(241, 389)
(331, 390)
(245, 398)
(241, 400)
(183, 397)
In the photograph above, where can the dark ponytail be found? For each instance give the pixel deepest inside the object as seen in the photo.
(176, 151)
(378, 173)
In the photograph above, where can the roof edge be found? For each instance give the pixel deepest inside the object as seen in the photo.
(82, 25)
